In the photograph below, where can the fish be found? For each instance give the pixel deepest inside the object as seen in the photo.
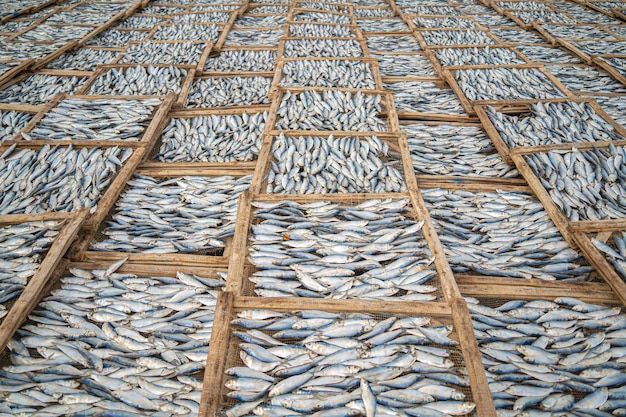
(424, 97)
(116, 38)
(138, 80)
(393, 43)
(335, 48)
(214, 138)
(180, 227)
(242, 60)
(129, 366)
(83, 59)
(365, 388)
(289, 270)
(245, 36)
(328, 73)
(38, 89)
(179, 53)
(309, 30)
(218, 91)
(327, 173)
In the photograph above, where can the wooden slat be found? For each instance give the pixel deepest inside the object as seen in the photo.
(240, 240)
(33, 291)
(216, 360)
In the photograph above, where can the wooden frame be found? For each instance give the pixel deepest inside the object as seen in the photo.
(35, 288)
(278, 72)
(505, 151)
(617, 75)
(360, 41)
(200, 166)
(223, 341)
(208, 45)
(432, 116)
(15, 70)
(468, 104)
(102, 69)
(155, 119)
(166, 170)
(188, 85)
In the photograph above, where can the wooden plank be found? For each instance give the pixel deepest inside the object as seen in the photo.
(222, 38)
(610, 69)
(150, 269)
(239, 247)
(526, 150)
(597, 225)
(333, 305)
(158, 259)
(339, 198)
(532, 289)
(471, 183)
(602, 265)
(216, 360)
(472, 358)
(33, 291)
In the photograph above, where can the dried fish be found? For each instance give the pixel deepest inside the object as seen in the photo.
(228, 91)
(213, 138)
(316, 165)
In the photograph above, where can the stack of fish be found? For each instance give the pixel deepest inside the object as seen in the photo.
(577, 32)
(521, 5)
(586, 79)
(179, 53)
(261, 21)
(539, 53)
(181, 214)
(614, 107)
(11, 122)
(56, 179)
(562, 357)
(24, 247)
(445, 22)
(383, 25)
(599, 47)
(83, 59)
(437, 9)
(324, 364)
(586, 185)
(549, 123)
(38, 89)
(213, 138)
(506, 84)
(615, 254)
(455, 150)
(477, 56)
(159, 10)
(328, 73)
(140, 22)
(187, 31)
(49, 33)
(373, 250)
(619, 64)
(228, 91)
(101, 119)
(270, 10)
(138, 81)
(371, 12)
(517, 36)
(108, 343)
(337, 48)
(253, 37)
(206, 17)
(314, 165)
(312, 30)
(456, 37)
(503, 233)
(247, 60)
(330, 110)
(323, 18)
(398, 65)
(116, 38)
(424, 97)
(541, 16)
(71, 17)
(319, 6)
(393, 43)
